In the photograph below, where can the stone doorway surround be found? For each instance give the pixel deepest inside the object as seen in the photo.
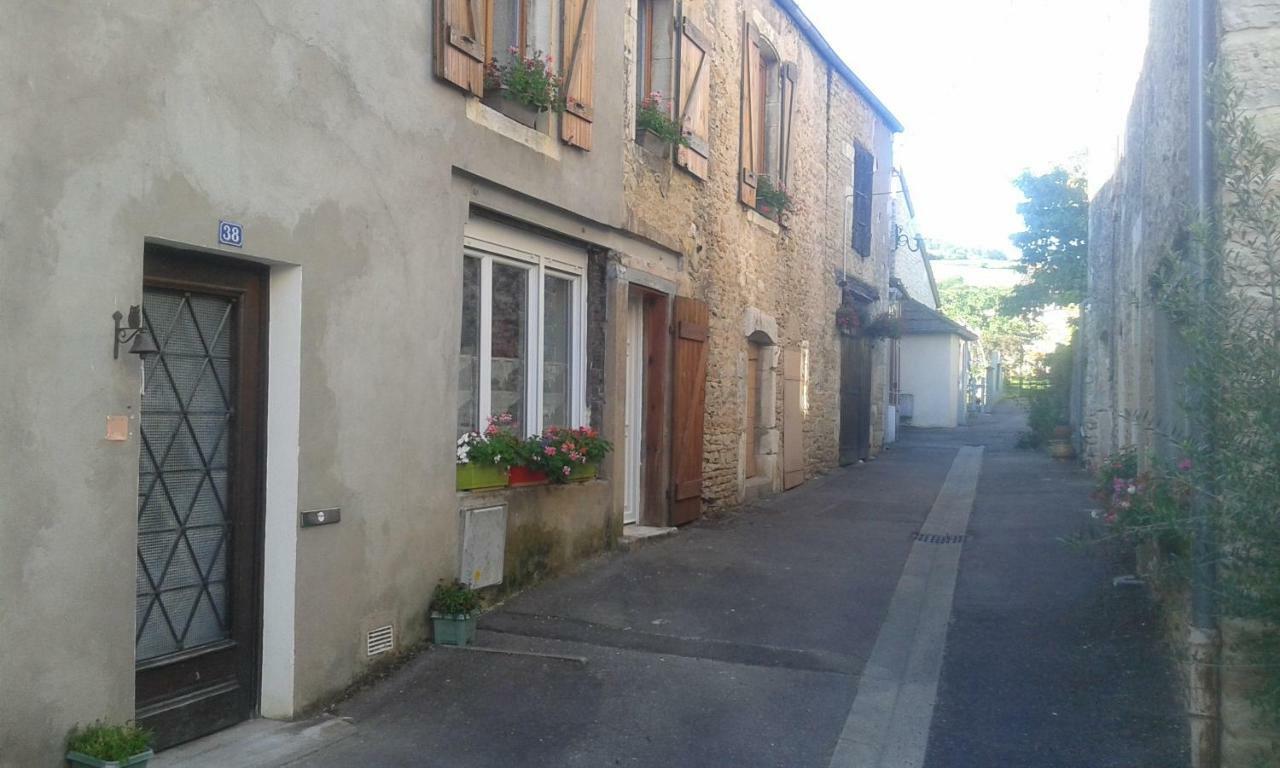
(761, 329)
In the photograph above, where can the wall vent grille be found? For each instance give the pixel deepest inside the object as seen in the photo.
(380, 640)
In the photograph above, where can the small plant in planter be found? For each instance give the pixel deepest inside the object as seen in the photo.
(524, 87)
(109, 746)
(772, 199)
(483, 457)
(885, 325)
(849, 320)
(655, 128)
(453, 613)
(565, 455)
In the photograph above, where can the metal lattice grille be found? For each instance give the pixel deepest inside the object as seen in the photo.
(184, 526)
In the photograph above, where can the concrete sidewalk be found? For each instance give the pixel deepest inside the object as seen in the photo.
(740, 641)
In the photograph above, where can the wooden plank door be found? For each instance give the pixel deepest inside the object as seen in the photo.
(688, 407)
(199, 581)
(792, 419)
(855, 399)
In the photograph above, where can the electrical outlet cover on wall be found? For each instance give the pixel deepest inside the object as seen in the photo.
(484, 545)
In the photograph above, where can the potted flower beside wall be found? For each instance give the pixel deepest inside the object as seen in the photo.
(109, 746)
(656, 131)
(483, 457)
(567, 455)
(454, 608)
(524, 88)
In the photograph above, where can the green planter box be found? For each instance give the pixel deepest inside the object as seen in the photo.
(584, 472)
(475, 477)
(457, 629)
(137, 761)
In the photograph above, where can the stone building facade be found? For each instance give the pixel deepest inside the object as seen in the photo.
(1140, 212)
(771, 283)
(327, 207)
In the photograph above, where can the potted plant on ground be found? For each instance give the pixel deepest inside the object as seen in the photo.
(109, 746)
(656, 131)
(483, 457)
(567, 455)
(524, 88)
(453, 614)
(772, 199)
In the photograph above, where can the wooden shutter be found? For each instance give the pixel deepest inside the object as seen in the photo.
(792, 419)
(688, 408)
(790, 73)
(693, 103)
(863, 178)
(579, 27)
(752, 130)
(459, 43)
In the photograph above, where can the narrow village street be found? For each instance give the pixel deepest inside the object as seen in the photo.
(798, 632)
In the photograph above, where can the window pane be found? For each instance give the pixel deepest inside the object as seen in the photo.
(557, 340)
(509, 20)
(510, 324)
(469, 351)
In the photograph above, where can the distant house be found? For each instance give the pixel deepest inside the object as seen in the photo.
(934, 358)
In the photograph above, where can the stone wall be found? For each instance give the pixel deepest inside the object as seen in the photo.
(752, 272)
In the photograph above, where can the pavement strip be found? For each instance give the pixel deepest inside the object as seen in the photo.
(888, 724)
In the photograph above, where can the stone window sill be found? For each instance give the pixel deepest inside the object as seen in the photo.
(484, 115)
(764, 222)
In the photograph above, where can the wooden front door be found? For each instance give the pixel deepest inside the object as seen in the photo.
(688, 408)
(855, 399)
(199, 495)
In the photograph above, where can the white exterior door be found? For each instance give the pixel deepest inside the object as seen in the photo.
(633, 437)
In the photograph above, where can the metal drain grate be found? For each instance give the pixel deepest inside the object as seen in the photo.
(939, 538)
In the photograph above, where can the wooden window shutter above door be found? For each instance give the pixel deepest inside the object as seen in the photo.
(688, 408)
(792, 419)
(579, 57)
(752, 130)
(790, 74)
(460, 43)
(693, 102)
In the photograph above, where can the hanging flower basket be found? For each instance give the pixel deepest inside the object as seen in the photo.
(885, 326)
(849, 320)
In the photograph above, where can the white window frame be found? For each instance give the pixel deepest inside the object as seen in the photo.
(493, 243)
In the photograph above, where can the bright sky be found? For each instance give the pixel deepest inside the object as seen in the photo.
(985, 89)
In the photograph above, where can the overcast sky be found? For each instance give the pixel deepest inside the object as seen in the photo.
(986, 88)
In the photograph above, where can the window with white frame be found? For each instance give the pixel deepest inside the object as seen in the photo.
(523, 347)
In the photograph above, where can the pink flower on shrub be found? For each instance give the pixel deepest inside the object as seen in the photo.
(1184, 465)
(550, 450)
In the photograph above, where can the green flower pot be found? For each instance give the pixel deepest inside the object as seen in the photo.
(474, 477)
(458, 629)
(584, 472)
(137, 761)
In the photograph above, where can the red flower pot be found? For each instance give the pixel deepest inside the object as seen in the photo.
(519, 476)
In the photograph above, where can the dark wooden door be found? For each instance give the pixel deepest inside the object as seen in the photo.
(855, 399)
(199, 496)
(688, 408)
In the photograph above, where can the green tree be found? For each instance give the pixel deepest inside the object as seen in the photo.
(1055, 243)
(981, 309)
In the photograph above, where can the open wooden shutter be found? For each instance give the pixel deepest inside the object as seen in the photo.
(790, 73)
(792, 419)
(688, 408)
(459, 43)
(863, 179)
(752, 130)
(579, 27)
(693, 103)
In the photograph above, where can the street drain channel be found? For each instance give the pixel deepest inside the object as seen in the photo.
(939, 538)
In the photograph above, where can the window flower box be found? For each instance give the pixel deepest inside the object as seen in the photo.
(584, 473)
(517, 110)
(480, 477)
(524, 476)
(652, 143)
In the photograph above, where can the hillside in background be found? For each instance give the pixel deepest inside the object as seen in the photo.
(942, 250)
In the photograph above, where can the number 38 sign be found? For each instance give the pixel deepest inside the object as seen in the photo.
(230, 233)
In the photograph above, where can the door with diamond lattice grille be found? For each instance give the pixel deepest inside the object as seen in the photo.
(199, 500)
